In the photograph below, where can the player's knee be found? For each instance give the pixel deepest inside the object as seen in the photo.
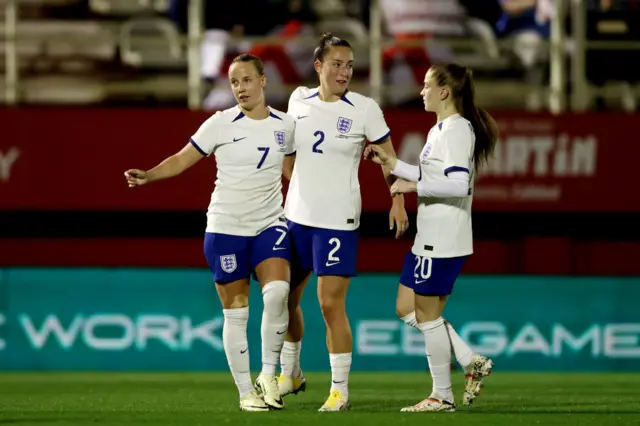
(238, 301)
(331, 307)
(275, 295)
(403, 309)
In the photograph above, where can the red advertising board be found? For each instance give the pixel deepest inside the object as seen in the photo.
(74, 159)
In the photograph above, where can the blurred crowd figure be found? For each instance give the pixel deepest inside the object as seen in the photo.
(415, 25)
(227, 27)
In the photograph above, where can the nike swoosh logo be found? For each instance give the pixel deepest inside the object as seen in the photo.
(421, 281)
(300, 117)
(238, 139)
(337, 383)
(279, 248)
(244, 350)
(331, 264)
(277, 332)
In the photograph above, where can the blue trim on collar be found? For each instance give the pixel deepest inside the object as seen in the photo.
(238, 117)
(271, 114)
(344, 98)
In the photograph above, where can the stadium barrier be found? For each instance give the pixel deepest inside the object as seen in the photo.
(120, 319)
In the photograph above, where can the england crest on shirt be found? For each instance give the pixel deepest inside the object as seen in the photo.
(280, 138)
(344, 124)
(228, 263)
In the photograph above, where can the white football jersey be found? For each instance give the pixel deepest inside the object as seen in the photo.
(248, 194)
(324, 191)
(444, 224)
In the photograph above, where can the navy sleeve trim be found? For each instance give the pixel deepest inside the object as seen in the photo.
(455, 169)
(195, 145)
(382, 139)
(289, 155)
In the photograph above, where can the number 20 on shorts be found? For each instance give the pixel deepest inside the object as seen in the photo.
(422, 270)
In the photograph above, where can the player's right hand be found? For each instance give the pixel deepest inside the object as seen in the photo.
(376, 154)
(136, 177)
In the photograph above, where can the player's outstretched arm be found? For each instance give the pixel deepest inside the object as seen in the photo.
(170, 167)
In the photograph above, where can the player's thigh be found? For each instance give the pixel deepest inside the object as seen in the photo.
(332, 291)
(295, 296)
(301, 242)
(405, 298)
(427, 308)
(434, 279)
(228, 256)
(273, 269)
(234, 294)
(443, 302)
(335, 252)
(271, 255)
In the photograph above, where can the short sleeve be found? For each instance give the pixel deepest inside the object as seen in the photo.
(207, 137)
(458, 141)
(375, 127)
(290, 147)
(292, 102)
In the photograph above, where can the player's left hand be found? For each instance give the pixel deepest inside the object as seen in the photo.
(401, 186)
(398, 217)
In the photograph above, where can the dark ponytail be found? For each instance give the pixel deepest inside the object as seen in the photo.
(326, 42)
(460, 80)
(484, 125)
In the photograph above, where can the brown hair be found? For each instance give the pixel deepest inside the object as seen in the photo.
(326, 42)
(248, 57)
(460, 80)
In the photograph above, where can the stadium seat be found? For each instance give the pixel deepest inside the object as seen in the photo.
(329, 8)
(59, 39)
(481, 51)
(120, 7)
(150, 42)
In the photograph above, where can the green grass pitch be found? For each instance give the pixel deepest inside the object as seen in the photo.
(65, 399)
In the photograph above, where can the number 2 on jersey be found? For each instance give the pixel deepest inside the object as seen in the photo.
(264, 149)
(318, 142)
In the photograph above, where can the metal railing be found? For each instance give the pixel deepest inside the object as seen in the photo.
(579, 96)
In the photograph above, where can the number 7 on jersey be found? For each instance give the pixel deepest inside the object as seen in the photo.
(264, 149)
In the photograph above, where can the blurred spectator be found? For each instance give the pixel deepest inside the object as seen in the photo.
(614, 20)
(220, 21)
(295, 18)
(487, 10)
(417, 21)
(287, 63)
(528, 24)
